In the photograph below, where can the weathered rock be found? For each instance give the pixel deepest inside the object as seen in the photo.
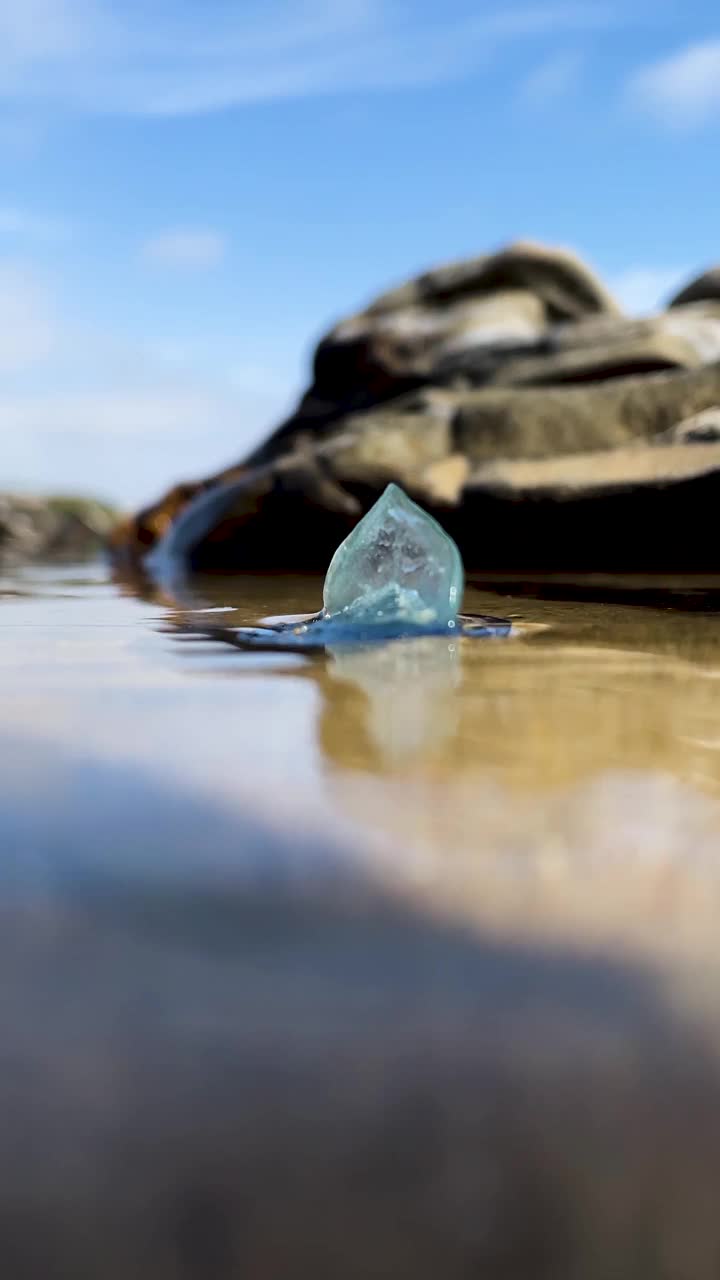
(703, 288)
(554, 421)
(497, 305)
(374, 354)
(700, 428)
(516, 365)
(40, 527)
(697, 323)
(565, 285)
(620, 357)
(594, 349)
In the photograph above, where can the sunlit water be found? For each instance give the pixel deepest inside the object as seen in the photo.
(395, 961)
(563, 782)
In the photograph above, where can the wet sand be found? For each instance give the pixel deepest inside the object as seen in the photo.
(390, 962)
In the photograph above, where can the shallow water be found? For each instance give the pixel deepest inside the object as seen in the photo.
(397, 962)
(561, 783)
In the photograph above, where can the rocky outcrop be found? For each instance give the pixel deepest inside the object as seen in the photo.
(507, 393)
(32, 528)
(703, 287)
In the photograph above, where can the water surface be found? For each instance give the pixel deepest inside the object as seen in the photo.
(562, 783)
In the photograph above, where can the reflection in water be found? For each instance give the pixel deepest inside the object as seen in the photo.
(540, 712)
(565, 782)
(407, 705)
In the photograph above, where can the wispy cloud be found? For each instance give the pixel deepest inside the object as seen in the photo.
(682, 90)
(553, 79)
(172, 59)
(185, 249)
(642, 290)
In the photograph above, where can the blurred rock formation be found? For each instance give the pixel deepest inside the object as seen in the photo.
(66, 528)
(509, 395)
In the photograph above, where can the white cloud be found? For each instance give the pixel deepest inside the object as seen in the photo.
(28, 326)
(181, 57)
(641, 290)
(186, 249)
(553, 79)
(682, 90)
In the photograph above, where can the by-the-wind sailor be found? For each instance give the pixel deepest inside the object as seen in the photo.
(398, 575)
(398, 568)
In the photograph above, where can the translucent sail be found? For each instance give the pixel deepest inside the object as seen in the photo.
(398, 566)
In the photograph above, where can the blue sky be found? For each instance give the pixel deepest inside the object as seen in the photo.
(192, 190)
